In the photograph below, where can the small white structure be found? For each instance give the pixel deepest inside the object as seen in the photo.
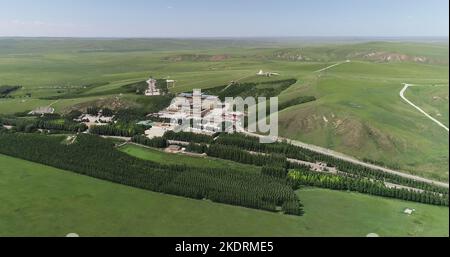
(267, 74)
(152, 90)
(42, 111)
(409, 211)
(170, 83)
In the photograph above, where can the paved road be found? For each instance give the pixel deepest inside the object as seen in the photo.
(402, 95)
(353, 160)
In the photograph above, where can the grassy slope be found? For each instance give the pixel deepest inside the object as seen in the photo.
(165, 158)
(433, 100)
(359, 112)
(38, 200)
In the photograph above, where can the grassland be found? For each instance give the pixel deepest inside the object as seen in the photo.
(358, 111)
(432, 99)
(38, 200)
(194, 161)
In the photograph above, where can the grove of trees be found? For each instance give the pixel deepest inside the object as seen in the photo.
(119, 130)
(96, 157)
(299, 153)
(188, 137)
(157, 142)
(365, 186)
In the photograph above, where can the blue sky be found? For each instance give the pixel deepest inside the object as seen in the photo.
(224, 18)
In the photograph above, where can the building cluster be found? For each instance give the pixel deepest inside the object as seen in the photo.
(198, 113)
(95, 120)
(152, 90)
(42, 111)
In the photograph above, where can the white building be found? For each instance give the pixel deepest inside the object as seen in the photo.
(409, 211)
(267, 74)
(170, 83)
(152, 90)
(42, 111)
(207, 120)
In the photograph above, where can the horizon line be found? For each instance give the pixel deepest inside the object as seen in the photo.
(230, 37)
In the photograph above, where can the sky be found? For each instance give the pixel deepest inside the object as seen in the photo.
(224, 18)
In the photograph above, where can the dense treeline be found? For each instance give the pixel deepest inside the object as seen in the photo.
(365, 186)
(146, 105)
(96, 157)
(107, 112)
(254, 89)
(197, 148)
(235, 154)
(296, 101)
(119, 130)
(73, 114)
(21, 125)
(47, 122)
(299, 153)
(61, 126)
(141, 86)
(138, 87)
(188, 137)
(161, 84)
(274, 171)
(93, 110)
(6, 90)
(157, 142)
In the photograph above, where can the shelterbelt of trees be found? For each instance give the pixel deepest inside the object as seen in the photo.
(365, 186)
(295, 152)
(188, 137)
(119, 130)
(52, 123)
(97, 157)
(274, 162)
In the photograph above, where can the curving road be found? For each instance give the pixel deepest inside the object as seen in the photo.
(402, 95)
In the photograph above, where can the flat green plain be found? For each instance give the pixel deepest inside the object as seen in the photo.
(38, 200)
(181, 159)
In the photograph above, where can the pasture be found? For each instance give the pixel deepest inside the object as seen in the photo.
(38, 200)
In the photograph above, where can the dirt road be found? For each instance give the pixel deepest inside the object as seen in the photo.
(331, 66)
(402, 95)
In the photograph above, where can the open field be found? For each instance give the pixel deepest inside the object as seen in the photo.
(358, 111)
(181, 159)
(38, 200)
